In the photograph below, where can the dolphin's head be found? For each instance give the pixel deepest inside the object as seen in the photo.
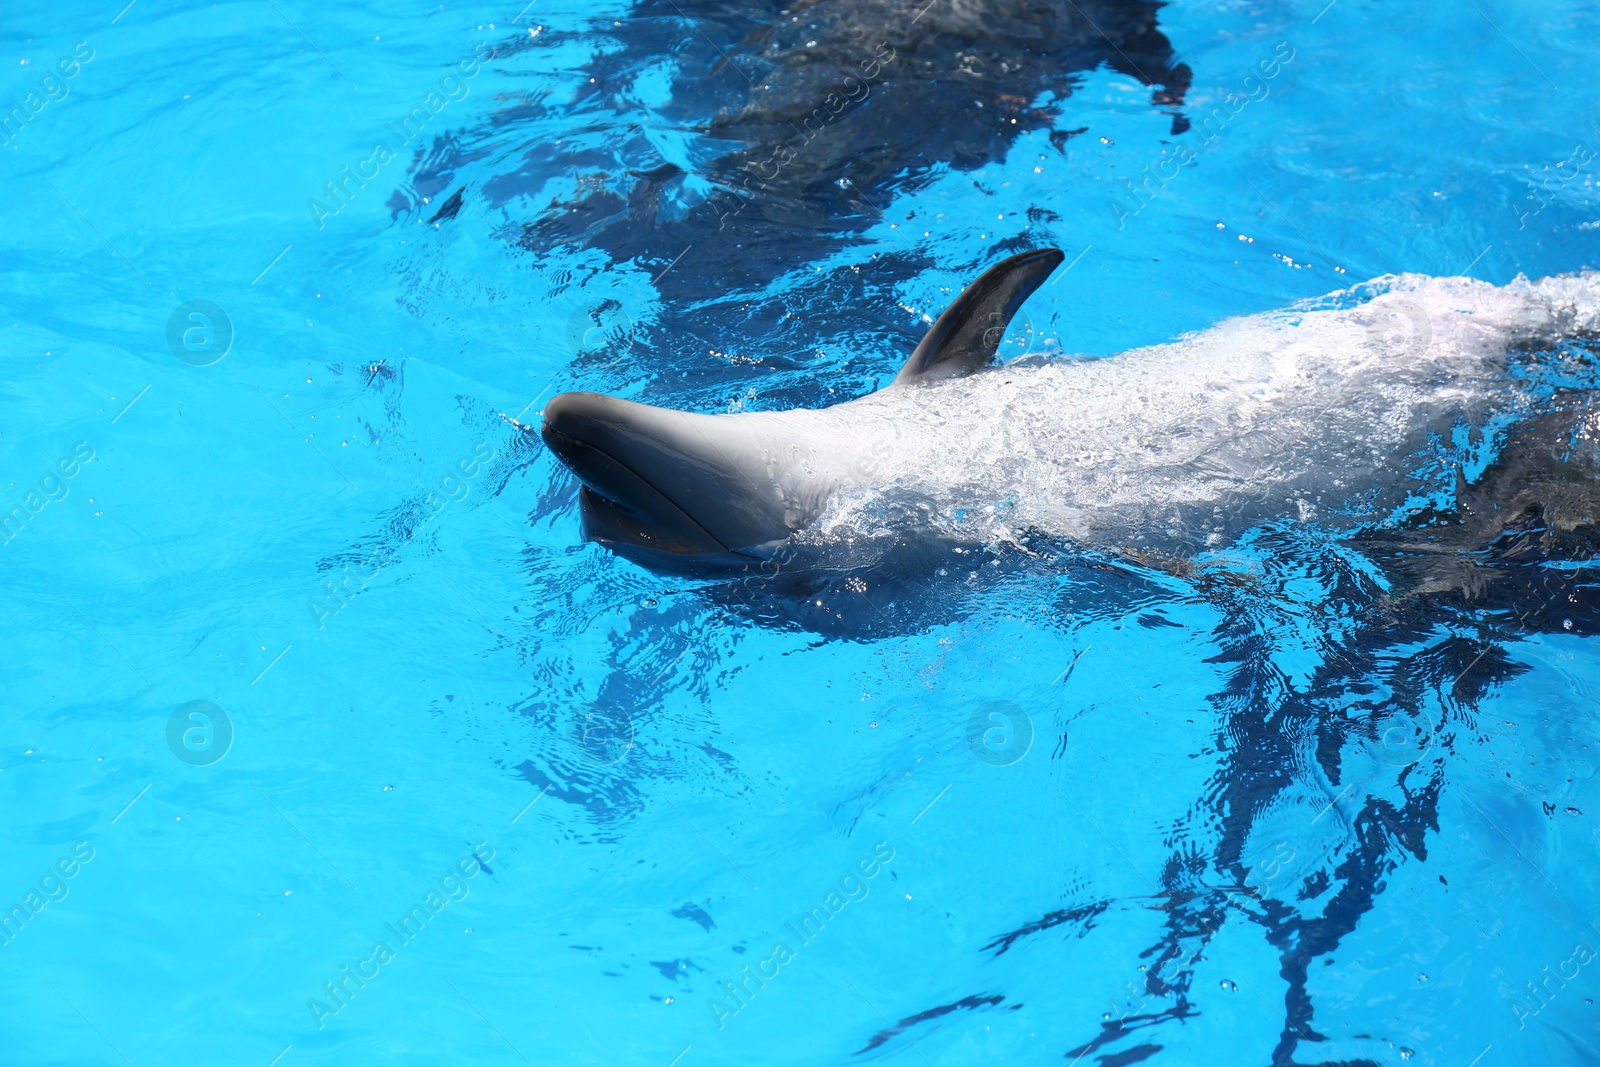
(665, 488)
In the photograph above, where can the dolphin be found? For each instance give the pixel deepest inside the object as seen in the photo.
(1366, 410)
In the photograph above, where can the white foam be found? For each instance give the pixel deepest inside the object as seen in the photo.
(1322, 410)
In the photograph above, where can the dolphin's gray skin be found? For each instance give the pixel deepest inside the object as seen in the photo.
(682, 491)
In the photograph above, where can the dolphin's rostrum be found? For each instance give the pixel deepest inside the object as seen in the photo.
(677, 490)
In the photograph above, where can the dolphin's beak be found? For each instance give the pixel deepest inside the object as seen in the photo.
(627, 465)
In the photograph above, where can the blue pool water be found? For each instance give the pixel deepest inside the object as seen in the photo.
(548, 807)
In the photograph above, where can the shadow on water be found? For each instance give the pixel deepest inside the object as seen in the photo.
(800, 121)
(833, 109)
(722, 146)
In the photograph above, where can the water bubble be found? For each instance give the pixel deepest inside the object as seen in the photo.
(1228, 986)
(1406, 1053)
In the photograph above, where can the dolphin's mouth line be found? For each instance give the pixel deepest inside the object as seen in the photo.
(644, 515)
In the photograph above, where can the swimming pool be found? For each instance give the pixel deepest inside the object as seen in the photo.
(328, 740)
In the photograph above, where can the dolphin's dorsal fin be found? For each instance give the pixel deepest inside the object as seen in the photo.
(966, 336)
